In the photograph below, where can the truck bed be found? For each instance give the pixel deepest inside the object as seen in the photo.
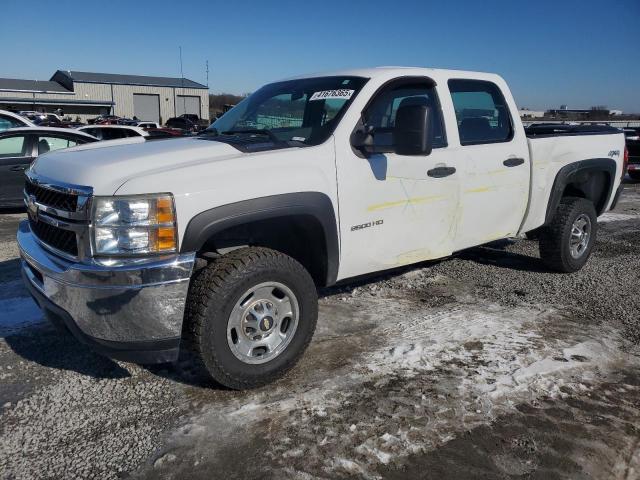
(541, 130)
(552, 147)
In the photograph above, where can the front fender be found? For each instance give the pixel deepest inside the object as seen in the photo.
(206, 224)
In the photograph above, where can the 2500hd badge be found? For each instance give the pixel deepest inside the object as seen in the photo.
(375, 223)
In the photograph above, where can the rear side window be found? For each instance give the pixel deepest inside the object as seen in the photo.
(49, 144)
(131, 133)
(113, 133)
(482, 113)
(381, 112)
(92, 131)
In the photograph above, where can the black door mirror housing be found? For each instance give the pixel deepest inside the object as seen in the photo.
(413, 131)
(362, 138)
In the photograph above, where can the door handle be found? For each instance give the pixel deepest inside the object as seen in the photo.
(18, 168)
(513, 162)
(440, 172)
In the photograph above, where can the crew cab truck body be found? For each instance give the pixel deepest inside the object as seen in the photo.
(216, 243)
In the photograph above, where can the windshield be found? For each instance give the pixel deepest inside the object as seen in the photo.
(295, 112)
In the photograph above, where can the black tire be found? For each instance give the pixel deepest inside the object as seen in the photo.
(555, 238)
(213, 294)
(634, 175)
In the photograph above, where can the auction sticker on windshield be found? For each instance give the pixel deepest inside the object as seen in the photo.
(328, 94)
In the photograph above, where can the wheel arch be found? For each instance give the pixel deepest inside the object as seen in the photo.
(592, 179)
(302, 225)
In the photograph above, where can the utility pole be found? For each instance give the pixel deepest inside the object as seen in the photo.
(207, 73)
(184, 99)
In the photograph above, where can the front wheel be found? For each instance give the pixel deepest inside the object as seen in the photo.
(567, 242)
(249, 316)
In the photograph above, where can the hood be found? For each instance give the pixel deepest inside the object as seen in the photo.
(106, 167)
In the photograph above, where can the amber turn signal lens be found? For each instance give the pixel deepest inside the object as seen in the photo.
(165, 239)
(164, 210)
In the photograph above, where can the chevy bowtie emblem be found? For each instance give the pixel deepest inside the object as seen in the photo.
(32, 207)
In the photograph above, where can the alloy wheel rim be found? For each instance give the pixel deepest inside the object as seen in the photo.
(580, 235)
(263, 322)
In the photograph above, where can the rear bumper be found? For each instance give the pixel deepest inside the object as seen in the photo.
(130, 311)
(634, 164)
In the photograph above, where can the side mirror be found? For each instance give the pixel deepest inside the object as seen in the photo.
(362, 138)
(412, 134)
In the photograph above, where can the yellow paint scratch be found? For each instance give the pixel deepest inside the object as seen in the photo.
(401, 203)
(479, 189)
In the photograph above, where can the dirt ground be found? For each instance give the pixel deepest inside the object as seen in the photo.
(484, 365)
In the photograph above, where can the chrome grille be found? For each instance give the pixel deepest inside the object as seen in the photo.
(63, 240)
(52, 198)
(59, 215)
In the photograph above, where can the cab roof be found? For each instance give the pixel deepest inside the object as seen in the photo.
(398, 71)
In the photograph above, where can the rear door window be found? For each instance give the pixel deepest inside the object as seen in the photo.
(13, 146)
(482, 113)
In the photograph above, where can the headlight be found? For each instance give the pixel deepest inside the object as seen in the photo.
(134, 225)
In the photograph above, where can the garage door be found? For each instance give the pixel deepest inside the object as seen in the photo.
(146, 107)
(187, 104)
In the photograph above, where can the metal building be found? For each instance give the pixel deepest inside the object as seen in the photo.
(86, 95)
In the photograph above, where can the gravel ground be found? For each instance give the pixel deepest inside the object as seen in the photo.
(484, 365)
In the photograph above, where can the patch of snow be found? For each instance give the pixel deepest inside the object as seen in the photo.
(616, 217)
(430, 376)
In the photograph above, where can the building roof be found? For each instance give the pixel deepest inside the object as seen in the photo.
(19, 85)
(118, 79)
(54, 101)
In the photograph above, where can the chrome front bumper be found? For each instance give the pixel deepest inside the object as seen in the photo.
(131, 310)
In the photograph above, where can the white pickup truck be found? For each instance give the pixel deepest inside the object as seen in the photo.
(217, 243)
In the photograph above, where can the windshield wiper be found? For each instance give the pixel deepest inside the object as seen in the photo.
(254, 131)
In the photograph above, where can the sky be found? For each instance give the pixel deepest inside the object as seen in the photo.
(578, 53)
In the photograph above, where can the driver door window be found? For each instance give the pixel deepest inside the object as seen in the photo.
(13, 146)
(381, 113)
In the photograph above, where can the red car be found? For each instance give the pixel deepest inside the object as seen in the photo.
(174, 132)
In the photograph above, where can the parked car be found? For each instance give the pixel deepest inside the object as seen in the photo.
(217, 242)
(126, 121)
(147, 125)
(13, 120)
(201, 122)
(49, 120)
(165, 131)
(632, 138)
(72, 124)
(113, 132)
(103, 119)
(183, 124)
(20, 146)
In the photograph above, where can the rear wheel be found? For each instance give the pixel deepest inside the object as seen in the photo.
(249, 317)
(634, 175)
(567, 242)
